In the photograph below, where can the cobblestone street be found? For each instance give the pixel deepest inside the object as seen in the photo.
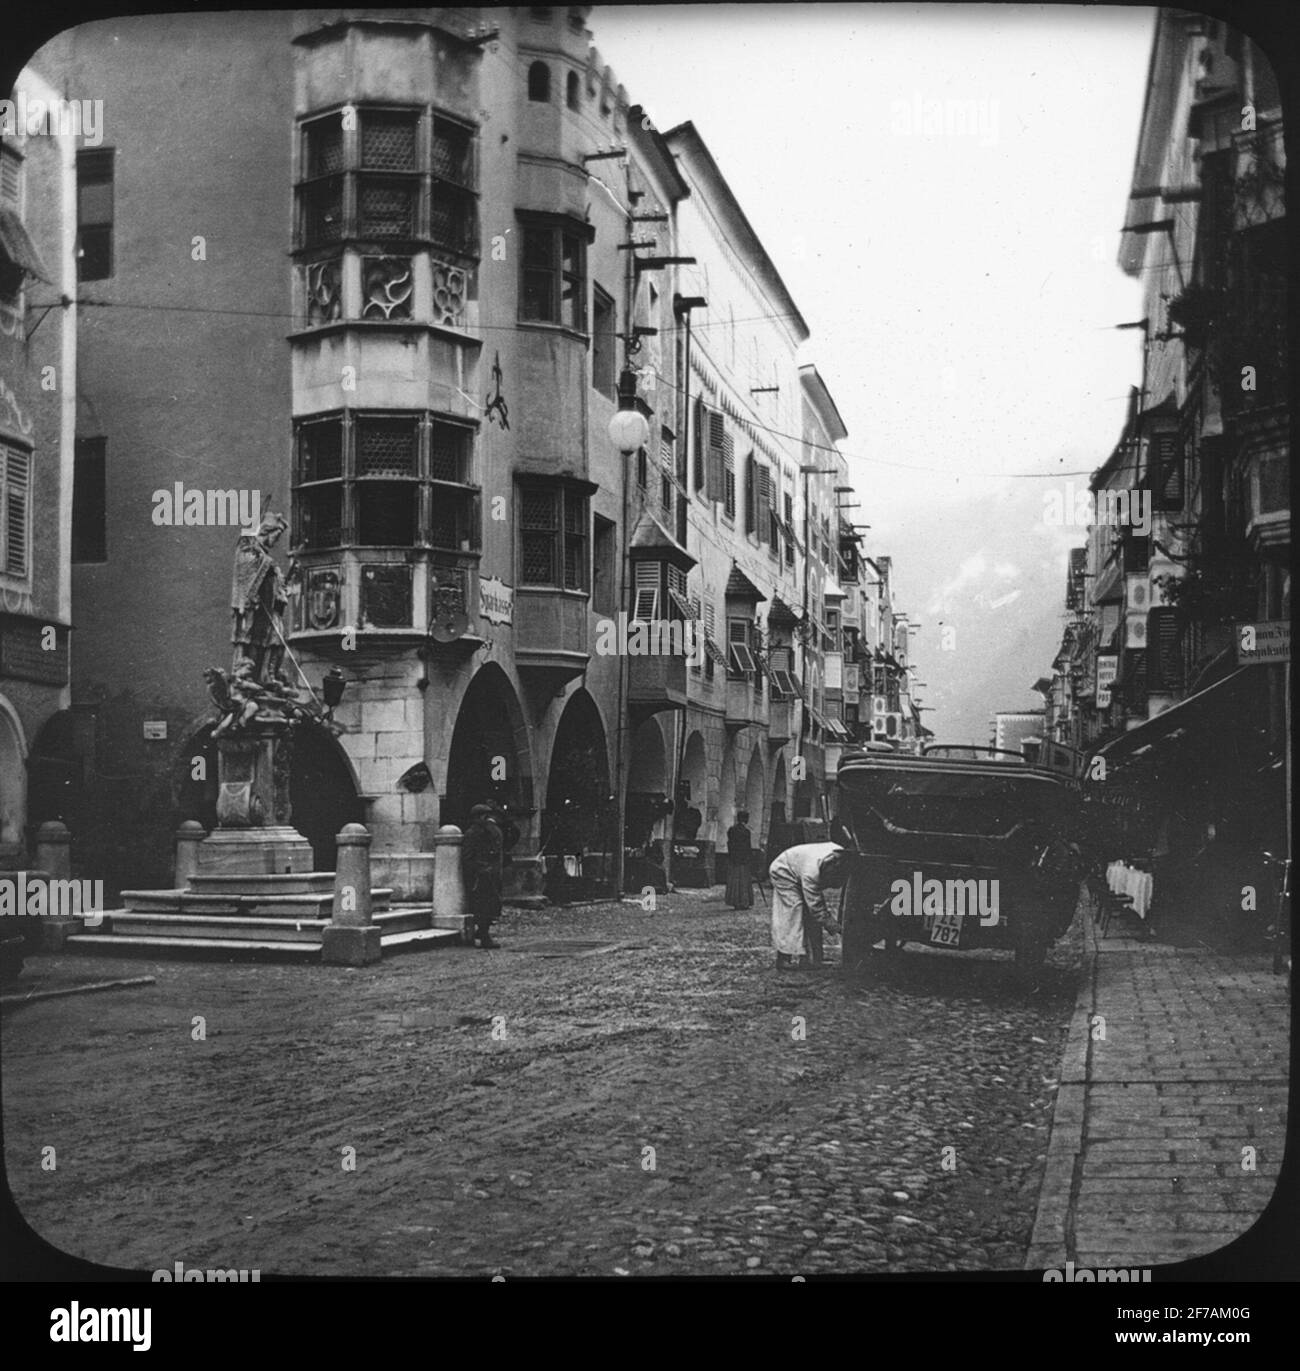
(502, 1107)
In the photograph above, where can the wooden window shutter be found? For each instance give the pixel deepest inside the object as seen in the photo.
(728, 474)
(751, 494)
(715, 459)
(764, 512)
(645, 600)
(1165, 662)
(698, 442)
(15, 481)
(1168, 483)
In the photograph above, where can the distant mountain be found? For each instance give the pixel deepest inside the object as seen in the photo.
(1012, 648)
(987, 585)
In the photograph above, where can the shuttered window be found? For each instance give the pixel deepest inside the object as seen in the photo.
(698, 442)
(15, 503)
(1168, 485)
(1164, 651)
(715, 432)
(645, 592)
(766, 512)
(751, 494)
(728, 476)
(698, 659)
(94, 214)
(1137, 552)
(741, 661)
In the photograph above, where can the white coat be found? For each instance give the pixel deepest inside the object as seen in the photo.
(797, 893)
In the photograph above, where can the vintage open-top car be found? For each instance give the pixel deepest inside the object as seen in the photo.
(957, 848)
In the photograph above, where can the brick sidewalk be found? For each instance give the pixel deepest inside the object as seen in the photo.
(1160, 1098)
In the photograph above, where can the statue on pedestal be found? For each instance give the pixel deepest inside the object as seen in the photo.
(258, 598)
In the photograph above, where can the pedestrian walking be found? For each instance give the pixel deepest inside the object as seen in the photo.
(800, 878)
(740, 863)
(480, 864)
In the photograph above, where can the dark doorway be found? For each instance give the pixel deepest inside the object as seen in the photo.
(482, 764)
(580, 816)
(321, 793)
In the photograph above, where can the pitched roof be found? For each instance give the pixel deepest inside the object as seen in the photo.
(651, 540)
(740, 587)
(779, 613)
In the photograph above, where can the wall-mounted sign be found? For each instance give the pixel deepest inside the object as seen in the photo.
(1107, 668)
(1263, 643)
(155, 730)
(496, 600)
(33, 650)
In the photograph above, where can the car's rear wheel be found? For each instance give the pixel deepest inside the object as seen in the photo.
(860, 925)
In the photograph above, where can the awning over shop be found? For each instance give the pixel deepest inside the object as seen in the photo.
(1222, 705)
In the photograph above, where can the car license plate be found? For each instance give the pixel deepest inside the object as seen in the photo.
(945, 930)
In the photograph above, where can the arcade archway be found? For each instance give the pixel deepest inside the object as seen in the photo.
(488, 758)
(754, 794)
(693, 791)
(322, 794)
(580, 816)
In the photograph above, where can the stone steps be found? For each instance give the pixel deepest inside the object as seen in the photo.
(278, 883)
(294, 906)
(130, 933)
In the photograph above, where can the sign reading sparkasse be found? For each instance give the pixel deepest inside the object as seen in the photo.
(496, 600)
(1266, 642)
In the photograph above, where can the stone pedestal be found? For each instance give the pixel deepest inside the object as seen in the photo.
(350, 938)
(254, 834)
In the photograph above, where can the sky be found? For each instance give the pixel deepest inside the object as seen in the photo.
(941, 188)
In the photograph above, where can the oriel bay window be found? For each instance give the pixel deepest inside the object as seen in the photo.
(398, 480)
(388, 176)
(453, 211)
(554, 523)
(553, 282)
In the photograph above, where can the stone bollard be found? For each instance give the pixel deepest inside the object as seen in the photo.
(448, 885)
(54, 859)
(188, 837)
(350, 939)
